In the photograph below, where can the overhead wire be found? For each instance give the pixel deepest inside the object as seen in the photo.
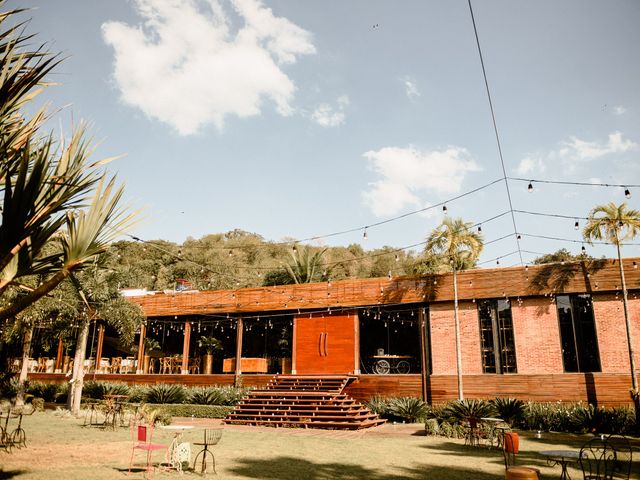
(495, 129)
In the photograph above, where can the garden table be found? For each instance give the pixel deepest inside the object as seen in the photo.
(562, 458)
(495, 428)
(178, 451)
(114, 409)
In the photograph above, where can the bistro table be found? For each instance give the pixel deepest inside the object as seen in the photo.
(178, 451)
(562, 458)
(496, 429)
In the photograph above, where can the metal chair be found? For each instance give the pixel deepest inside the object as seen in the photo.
(597, 460)
(510, 449)
(211, 437)
(141, 436)
(116, 365)
(194, 365)
(623, 457)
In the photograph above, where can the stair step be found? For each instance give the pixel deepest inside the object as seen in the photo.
(303, 401)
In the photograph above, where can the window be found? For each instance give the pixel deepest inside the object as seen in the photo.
(578, 333)
(496, 337)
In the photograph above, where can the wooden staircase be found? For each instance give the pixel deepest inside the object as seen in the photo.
(307, 401)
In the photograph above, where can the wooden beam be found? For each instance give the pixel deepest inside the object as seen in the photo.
(294, 345)
(58, 367)
(239, 331)
(99, 347)
(424, 359)
(140, 365)
(185, 347)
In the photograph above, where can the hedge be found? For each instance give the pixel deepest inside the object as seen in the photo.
(187, 410)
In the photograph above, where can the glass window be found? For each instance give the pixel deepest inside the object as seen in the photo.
(578, 337)
(496, 337)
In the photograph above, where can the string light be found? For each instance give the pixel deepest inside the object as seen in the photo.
(576, 225)
(444, 209)
(530, 187)
(479, 228)
(364, 235)
(627, 193)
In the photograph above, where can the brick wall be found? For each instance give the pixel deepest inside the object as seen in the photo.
(537, 336)
(443, 343)
(611, 330)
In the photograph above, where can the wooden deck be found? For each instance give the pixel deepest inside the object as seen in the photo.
(598, 388)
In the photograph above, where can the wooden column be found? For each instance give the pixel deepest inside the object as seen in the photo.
(294, 345)
(58, 367)
(424, 358)
(356, 344)
(140, 364)
(239, 331)
(185, 347)
(99, 347)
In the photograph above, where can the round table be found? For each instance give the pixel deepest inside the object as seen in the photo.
(178, 451)
(562, 458)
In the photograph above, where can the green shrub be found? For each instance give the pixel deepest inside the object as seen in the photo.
(197, 411)
(511, 410)
(137, 393)
(94, 389)
(410, 409)
(379, 405)
(9, 386)
(461, 410)
(44, 390)
(63, 392)
(452, 430)
(166, 393)
(431, 426)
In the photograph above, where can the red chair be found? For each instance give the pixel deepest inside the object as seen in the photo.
(141, 436)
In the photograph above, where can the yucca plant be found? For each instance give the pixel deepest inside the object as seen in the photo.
(511, 410)
(410, 409)
(166, 393)
(205, 396)
(379, 405)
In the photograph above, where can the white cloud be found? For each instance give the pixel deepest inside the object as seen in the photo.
(532, 165)
(184, 66)
(410, 87)
(327, 116)
(407, 172)
(574, 152)
(619, 110)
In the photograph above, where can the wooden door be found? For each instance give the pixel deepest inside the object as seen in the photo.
(325, 343)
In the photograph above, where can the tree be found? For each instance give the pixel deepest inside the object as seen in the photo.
(561, 255)
(306, 265)
(459, 247)
(59, 211)
(616, 224)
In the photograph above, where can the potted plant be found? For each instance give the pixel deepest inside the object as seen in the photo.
(210, 345)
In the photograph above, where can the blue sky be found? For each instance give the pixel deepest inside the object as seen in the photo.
(299, 119)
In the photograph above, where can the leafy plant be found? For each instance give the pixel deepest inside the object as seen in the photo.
(166, 393)
(411, 409)
(210, 344)
(44, 390)
(511, 410)
(461, 410)
(379, 405)
(217, 395)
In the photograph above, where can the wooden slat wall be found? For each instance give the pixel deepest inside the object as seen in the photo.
(588, 276)
(598, 388)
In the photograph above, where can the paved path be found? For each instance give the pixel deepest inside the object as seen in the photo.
(384, 430)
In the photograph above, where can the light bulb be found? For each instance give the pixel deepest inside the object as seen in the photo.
(497, 262)
(519, 237)
(364, 235)
(627, 193)
(479, 228)
(584, 250)
(444, 209)
(231, 253)
(576, 225)
(397, 258)
(530, 187)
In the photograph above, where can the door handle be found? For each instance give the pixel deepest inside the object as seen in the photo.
(320, 344)
(326, 337)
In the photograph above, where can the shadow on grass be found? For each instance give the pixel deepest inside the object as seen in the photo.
(11, 474)
(290, 468)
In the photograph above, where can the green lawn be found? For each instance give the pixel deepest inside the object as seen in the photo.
(61, 448)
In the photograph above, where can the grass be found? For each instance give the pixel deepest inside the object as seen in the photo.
(59, 447)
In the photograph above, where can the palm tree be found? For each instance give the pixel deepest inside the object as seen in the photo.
(615, 224)
(459, 247)
(306, 265)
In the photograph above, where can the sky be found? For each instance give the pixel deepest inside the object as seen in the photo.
(298, 119)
